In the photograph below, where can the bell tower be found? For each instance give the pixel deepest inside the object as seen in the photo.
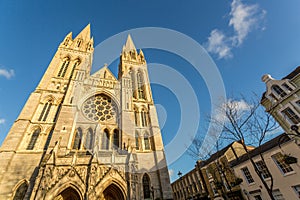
(144, 129)
(87, 136)
(44, 114)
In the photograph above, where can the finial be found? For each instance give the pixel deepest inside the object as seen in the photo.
(266, 78)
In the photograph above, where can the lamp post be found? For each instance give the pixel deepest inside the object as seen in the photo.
(179, 174)
(296, 134)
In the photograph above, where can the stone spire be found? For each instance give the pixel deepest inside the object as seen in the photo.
(85, 34)
(129, 46)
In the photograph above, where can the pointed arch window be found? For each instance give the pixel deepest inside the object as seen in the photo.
(137, 142)
(33, 139)
(66, 42)
(116, 139)
(141, 92)
(146, 186)
(77, 62)
(136, 117)
(21, 191)
(144, 118)
(105, 140)
(89, 46)
(133, 83)
(77, 139)
(64, 67)
(45, 112)
(146, 141)
(278, 90)
(79, 41)
(89, 139)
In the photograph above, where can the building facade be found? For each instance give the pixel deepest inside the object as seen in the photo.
(212, 178)
(86, 136)
(282, 99)
(280, 161)
(189, 186)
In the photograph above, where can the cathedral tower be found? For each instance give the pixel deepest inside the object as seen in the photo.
(86, 136)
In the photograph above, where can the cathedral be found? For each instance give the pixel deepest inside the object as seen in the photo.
(83, 136)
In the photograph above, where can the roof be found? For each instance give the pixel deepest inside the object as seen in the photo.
(212, 158)
(218, 154)
(293, 73)
(283, 138)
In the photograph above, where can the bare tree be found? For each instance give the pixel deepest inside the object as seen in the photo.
(246, 120)
(216, 168)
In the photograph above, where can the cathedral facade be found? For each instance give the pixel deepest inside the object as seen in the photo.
(87, 136)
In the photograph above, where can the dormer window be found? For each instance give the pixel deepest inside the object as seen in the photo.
(278, 90)
(286, 86)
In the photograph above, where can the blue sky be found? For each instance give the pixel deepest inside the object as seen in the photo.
(246, 39)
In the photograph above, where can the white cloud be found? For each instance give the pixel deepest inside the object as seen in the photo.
(2, 121)
(218, 44)
(244, 18)
(171, 172)
(7, 73)
(237, 106)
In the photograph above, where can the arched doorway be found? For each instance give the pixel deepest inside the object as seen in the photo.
(68, 194)
(113, 192)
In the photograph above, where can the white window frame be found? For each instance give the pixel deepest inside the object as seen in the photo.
(284, 173)
(285, 118)
(263, 170)
(278, 193)
(245, 176)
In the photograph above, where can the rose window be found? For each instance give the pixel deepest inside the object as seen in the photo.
(99, 108)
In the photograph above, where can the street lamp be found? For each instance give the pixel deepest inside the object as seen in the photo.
(295, 128)
(296, 134)
(179, 174)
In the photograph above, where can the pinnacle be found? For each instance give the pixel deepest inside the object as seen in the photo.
(85, 34)
(69, 35)
(129, 46)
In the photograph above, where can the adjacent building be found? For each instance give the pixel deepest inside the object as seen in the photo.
(87, 136)
(190, 186)
(282, 99)
(230, 174)
(216, 180)
(277, 158)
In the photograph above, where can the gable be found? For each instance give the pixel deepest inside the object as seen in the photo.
(104, 73)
